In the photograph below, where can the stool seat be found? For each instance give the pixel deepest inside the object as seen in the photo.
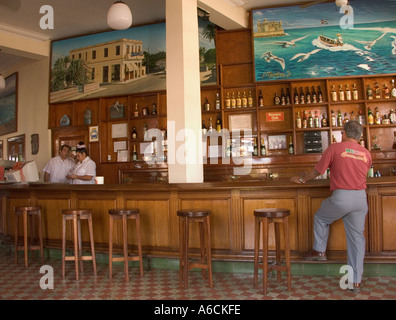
(76, 215)
(193, 213)
(201, 216)
(125, 214)
(266, 216)
(28, 211)
(271, 213)
(121, 212)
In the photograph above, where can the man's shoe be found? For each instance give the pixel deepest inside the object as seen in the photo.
(316, 256)
(356, 288)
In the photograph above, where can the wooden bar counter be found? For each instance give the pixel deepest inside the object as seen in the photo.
(232, 222)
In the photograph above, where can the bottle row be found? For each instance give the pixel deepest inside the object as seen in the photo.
(145, 111)
(376, 93)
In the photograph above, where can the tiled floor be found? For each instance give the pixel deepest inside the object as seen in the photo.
(20, 283)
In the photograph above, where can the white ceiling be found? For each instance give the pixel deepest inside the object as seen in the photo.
(77, 17)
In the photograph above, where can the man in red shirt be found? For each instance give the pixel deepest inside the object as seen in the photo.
(348, 162)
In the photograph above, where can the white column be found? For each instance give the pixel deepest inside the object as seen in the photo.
(183, 92)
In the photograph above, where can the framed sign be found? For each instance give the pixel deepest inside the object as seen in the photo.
(277, 142)
(323, 40)
(93, 134)
(9, 105)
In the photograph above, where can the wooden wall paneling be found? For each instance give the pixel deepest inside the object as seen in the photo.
(236, 222)
(234, 46)
(386, 219)
(375, 223)
(237, 75)
(303, 221)
(79, 111)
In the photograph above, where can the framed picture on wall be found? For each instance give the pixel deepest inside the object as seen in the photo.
(9, 105)
(93, 134)
(323, 40)
(1, 150)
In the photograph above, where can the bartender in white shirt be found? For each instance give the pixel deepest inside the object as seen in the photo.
(84, 171)
(59, 167)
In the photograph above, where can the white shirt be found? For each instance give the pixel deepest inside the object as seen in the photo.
(58, 169)
(85, 168)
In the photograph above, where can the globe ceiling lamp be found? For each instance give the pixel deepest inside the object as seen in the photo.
(119, 16)
(341, 3)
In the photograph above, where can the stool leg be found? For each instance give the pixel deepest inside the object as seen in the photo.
(287, 252)
(91, 238)
(202, 234)
(16, 237)
(80, 251)
(181, 248)
(265, 255)
(125, 246)
(110, 246)
(139, 243)
(63, 244)
(25, 235)
(185, 255)
(256, 247)
(278, 251)
(40, 230)
(209, 250)
(75, 235)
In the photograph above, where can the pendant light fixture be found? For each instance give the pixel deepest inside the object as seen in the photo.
(2, 82)
(119, 16)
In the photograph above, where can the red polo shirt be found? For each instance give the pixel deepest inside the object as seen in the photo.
(348, 162)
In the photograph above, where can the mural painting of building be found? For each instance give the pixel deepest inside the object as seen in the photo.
(267, 28)
(114, 61)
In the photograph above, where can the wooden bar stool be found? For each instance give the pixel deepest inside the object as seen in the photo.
(266, 216)
(203, 218)
(76, 216)
(26, 212)
(125, 215)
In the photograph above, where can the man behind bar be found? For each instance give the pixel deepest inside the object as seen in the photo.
(348, 162)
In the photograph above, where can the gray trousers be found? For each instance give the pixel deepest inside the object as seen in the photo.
(351, 206)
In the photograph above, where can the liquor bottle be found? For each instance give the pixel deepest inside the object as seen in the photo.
(333, 119)
(233, 101)
(355, 92)
(145, 111)
(228, 148)
(324, 120)
(218, 124)
(154, 109)
(316, 120)
(304, 121)
(144, 128)
(217, 102)
(255, 148)
(134, 153)
(244, 100)
(334, 97)
(307, 96)
(204, 130)
(206, 104)
(341, 93)
(377, 117)
(134, 134)
(346, 119)
(277, 99)
(283, 97)
(296, 98)
(385, 119)
(298, 121)
(370, 117)
(302, 96)
(163, 132)
(377, 91)
(288, 100)
(261, 99)
(353, 117)
(385, 92)
(392, 116)
(348, 93)
(263, 150)
(239, 100)
(361, 118)
(291, 146)
(393, 90)
(369, 92)
(320, 95)
(339, 119)
(394, 140)
(310, 120)
(314, 96)
(136, 112)
(250, 100)
(370, 173)
(210, 129)
(228, 101)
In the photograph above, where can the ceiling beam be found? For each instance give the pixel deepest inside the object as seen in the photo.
(225, 15)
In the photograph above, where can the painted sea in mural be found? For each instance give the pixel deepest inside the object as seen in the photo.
(367, 48)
